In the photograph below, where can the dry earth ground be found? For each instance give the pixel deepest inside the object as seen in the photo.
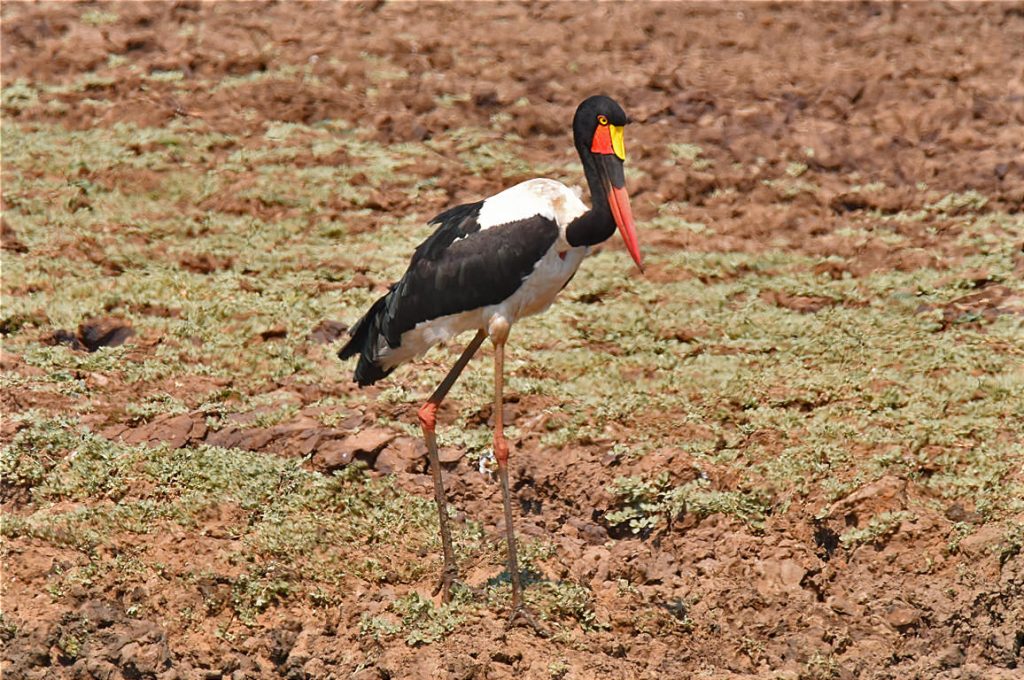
(793, 449)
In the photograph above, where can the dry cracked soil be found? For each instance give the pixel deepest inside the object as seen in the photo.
(862, 146)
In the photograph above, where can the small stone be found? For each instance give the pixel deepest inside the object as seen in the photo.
(281, 642)
(508, 658)
(99, 612)
(661, 568)
(226, 438)
(951, 657)
(957, 513)
(983, 541)
(255, 438)
(327, 331)
(389, 462)
(199, 429)
(63, 337)
(369, 441)
(593, 534)
(274, 333)
(104, 332)
(332, 455)
(307, 441)
(791, 573)
(204, 263)
(901, 615)
(316, 668)
(408, 448)
(448, 455)
(360, 281)
(841, 605)
(144, 660)
(592, 565)
(173, 430)
(886, 493)
(11, 242)
(96, 669)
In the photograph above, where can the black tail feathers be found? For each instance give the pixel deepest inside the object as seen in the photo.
(363, 341)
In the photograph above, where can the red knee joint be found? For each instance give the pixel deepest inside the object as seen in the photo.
(501, 449)
(428, 416)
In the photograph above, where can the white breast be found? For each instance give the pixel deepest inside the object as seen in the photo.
(542, 286)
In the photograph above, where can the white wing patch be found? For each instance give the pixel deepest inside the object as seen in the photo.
(544, 197)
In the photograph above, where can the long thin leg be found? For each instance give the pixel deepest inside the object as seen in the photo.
(501, 455)
(428, 422)
(519, 611)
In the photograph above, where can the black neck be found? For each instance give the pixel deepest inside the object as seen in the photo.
(596, 225)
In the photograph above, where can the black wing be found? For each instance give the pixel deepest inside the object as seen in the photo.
(458, 268)
(481, 268)
(454, 223)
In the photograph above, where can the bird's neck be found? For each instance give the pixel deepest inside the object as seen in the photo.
(596, 225)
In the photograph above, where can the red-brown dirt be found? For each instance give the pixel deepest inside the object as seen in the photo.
(926, 99)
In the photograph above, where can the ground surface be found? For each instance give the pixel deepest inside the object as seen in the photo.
(793, 449)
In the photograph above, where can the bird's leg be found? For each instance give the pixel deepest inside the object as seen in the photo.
(501, 456)
(428, 422)
(519, 612)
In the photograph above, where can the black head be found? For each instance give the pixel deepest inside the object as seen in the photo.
(594, 118)
(597, 130)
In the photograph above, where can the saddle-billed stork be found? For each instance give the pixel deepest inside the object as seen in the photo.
(487, 265)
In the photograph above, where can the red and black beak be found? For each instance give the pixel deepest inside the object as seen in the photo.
(614, 180)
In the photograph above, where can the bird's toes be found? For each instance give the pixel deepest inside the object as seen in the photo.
(444, 586)
(521, 616)
(449, 583)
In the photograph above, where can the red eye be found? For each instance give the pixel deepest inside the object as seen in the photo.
(602, 120)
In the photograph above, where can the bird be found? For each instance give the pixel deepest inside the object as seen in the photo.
(487, 265)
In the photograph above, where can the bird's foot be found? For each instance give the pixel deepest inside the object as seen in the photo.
(521, 616)
(448, 582)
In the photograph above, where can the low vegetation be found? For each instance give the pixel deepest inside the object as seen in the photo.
(780, 379)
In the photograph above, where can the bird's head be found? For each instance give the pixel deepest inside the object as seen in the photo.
(598, 133)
